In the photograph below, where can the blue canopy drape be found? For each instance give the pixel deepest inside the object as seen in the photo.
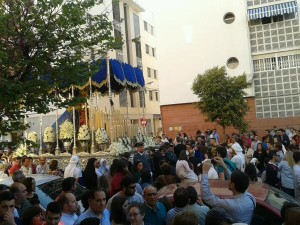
(139, 77)
(131, 81)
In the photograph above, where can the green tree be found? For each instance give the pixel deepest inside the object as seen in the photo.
(221, 98)
(44, 45)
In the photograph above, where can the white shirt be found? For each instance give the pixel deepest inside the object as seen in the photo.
(183, 170)
(26, 170)
(239, 161)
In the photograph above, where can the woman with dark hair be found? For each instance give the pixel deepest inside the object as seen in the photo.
(183, 171)
(33, 216)
(145, 179)
(136, 213)
(85, 199)
(260, 154)
(33, 198)
(250, 170)
(104, 184)
(118, 213)
(137, 170)
(89, 174)
(120, 171)
(53, 168)
(166, 177)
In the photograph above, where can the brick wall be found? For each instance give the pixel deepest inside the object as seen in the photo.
(189, 117)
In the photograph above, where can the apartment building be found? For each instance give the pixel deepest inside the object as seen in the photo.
(260, 38)
(137, 30)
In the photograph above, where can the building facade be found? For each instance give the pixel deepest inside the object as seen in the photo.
(260, 38)
(132, 24)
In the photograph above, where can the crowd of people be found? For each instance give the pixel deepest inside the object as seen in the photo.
(126, 191)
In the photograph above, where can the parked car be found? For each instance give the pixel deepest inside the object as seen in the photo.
(48, 187)
(269, 200)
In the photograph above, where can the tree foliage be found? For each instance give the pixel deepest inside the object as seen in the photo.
(221, 98)
(43, 45)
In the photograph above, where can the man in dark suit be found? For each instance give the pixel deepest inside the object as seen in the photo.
(179, 147)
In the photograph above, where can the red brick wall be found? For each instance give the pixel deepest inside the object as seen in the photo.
(189, 117)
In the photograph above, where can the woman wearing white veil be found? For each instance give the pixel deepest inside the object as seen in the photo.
(72, 170)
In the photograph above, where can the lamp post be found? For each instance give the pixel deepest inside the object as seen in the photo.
(144, 121)
(41, 141)
(74, 126)
(91, 104)
(110, 100)
(57, 150)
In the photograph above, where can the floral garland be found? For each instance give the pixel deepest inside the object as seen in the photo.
(32, 136)
(101, 136)
(66, 131)
(84, 134)
(49, 135)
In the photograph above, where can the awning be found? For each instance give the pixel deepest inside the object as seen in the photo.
(139, 76)
(272, 10)
(130, 77)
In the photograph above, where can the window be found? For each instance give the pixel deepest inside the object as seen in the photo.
(229, 18)
(232, 63)
(92, 54)
(150, 95)
(147, 49)
(155, 74)
(289, 16)
(116, 11)
(152, 30)
(145, 25)
(272, 19)
(255, 22)
(153, 52)
(277, 18)
(123, 98)
(149, 72)
(136, 22)
(142, 98)
(118, 34)
(89, 19)
(156, 96)
(266, 20)
(132, 102)
(138, 50)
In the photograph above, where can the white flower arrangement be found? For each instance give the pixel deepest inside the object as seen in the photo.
(140, 137)
(84, 133)
(20, 151)
(49, 136)
(32, 136)
(66, 131)
(117, 148)
(101, 136)
(149, 142)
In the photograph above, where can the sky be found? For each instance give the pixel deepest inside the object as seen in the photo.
(175, 35)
